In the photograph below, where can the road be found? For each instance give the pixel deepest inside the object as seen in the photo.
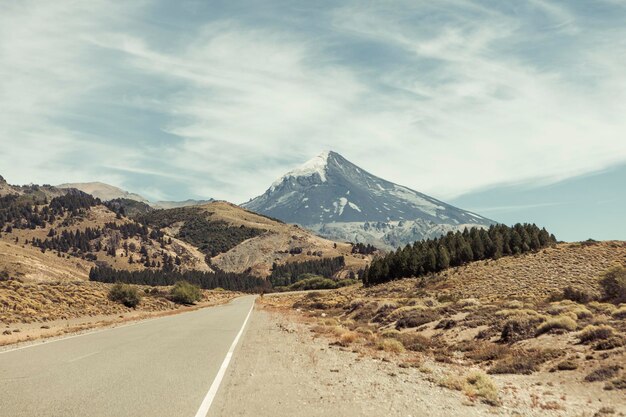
(160, 367)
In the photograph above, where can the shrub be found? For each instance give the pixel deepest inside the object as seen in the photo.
(610, 343)
(620, 313)
(480, 385)
(391, 345)
(578, 295)
(487, 352)
(619, 383)
(519, 328)
(416, 318)
(414, 342)
(613, 284)
(592, 333)
(126, 294)
(603, 373)
(567, 365)
(348, 337)
(524, 362)
(558, 323)
(185, 293)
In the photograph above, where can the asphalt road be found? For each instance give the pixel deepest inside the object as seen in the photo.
(158, 368)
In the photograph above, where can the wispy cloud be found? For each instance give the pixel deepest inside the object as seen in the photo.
(444, 97)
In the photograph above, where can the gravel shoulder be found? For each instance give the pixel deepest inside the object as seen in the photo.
(280, 369)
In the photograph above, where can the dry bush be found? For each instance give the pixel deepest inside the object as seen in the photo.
(604, 308)
(415, 342)
(486, 351)
(613, 284)
(603, 373)
(390, 345)
(619, 383)
(348, 338)
(567, 365)
(524, 361)
(519, 328)
(592, 333)
(577, 294)
(482, 386)
(565, 323)
(416, 318)
(610, 343)
(620, 313)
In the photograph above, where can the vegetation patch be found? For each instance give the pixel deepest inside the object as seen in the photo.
(524, 362)
(613, 284)
(603, 373)
(185, 293)
(125, 294)
(563, 323)
(593, 333)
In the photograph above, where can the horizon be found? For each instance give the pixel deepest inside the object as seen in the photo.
(489, 107)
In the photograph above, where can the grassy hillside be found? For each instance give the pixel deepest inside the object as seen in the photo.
(547, 315)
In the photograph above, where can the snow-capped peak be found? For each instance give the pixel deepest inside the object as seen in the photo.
(315, 165)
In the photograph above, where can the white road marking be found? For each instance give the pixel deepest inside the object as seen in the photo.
(83, 357)
(210, 396)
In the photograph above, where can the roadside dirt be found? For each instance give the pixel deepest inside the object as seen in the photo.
(15, 333)
(283, 369)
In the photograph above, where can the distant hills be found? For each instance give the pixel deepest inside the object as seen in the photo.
(339, 200)
(50, 233)
(106, 192)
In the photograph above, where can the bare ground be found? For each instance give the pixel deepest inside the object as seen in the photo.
(282, 369)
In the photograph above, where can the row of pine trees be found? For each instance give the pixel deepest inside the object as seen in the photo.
(455, 249)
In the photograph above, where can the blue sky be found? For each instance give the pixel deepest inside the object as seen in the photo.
(194, 99)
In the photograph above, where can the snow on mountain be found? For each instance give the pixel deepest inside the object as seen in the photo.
(337, 199)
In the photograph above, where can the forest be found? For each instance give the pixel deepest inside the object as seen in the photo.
(211, 237)
(207, 280)
(27, 212)
(289, 273)
(456, 249)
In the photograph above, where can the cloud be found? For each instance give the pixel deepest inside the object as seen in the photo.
(444, 97)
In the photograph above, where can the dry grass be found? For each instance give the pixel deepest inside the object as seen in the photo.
(476, 385)
(390, 345)
(565, 323)
(593, 333)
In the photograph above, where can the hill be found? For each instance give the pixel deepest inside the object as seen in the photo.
(550, 317)
(237, 240)
(339, 200)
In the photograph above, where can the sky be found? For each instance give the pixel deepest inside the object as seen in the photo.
(467, 101)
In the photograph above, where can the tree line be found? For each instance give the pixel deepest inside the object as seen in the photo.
(291, 272)
(208, 280)
(455, 249)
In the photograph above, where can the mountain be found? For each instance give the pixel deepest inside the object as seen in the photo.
(335, 198)
(103, 191)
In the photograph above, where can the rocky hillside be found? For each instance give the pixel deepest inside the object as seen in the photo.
(236, 240)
